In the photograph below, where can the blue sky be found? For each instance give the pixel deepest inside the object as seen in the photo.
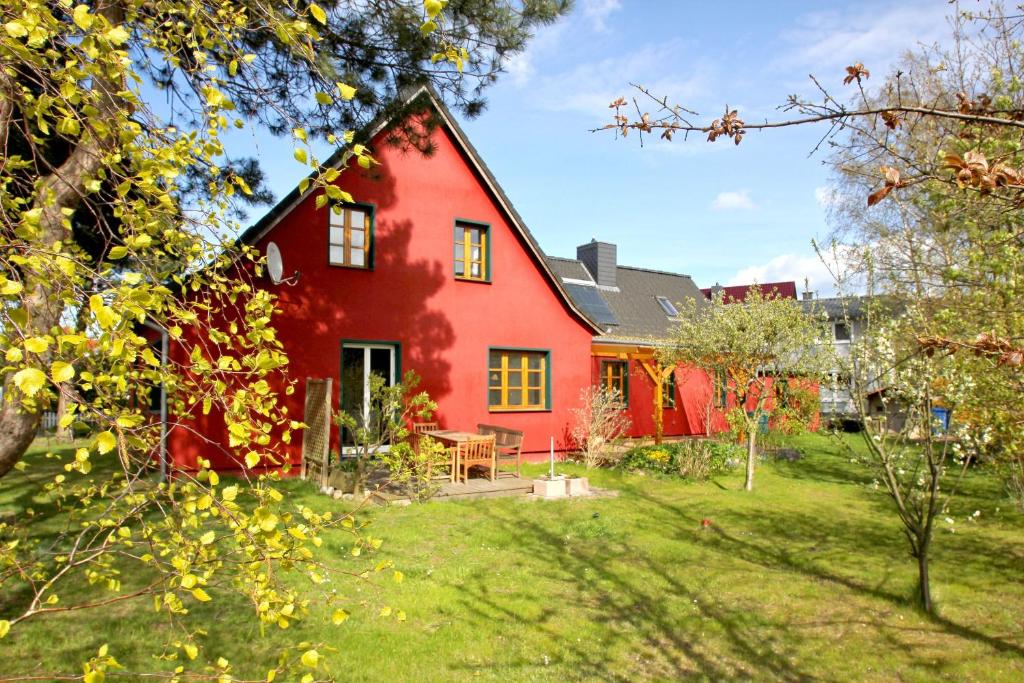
(717, 212)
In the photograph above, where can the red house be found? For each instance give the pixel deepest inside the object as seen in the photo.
(433, 270)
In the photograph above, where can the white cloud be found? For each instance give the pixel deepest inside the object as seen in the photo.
(738, 200)
(821, 278)
(598, 11)
(827, 41)
(589, 87)
(788, 267)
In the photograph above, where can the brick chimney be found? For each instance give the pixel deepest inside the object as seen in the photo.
(601, 259)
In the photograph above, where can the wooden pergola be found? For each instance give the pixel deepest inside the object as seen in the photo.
(645, 356)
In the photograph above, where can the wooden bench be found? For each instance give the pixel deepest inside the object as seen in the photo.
(508, 446)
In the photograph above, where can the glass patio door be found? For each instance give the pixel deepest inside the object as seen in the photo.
(360, 361)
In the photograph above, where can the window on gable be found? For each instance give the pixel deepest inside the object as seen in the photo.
(615, 378)
(667, 306)
(668, 391)
(349, 236)
(472, 252)
(842, 332)
(518, 379)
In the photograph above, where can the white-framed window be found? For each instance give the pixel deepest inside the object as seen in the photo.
(359, 361)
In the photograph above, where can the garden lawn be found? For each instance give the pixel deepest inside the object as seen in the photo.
(806, 578)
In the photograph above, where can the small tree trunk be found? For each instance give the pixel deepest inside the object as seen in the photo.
(751, 451)
(924, 588)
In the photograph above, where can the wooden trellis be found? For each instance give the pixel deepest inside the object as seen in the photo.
(316, 437)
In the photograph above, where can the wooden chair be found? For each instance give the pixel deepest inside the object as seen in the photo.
(422, 427)
(449, 469)
(508, 447)
(476, 452)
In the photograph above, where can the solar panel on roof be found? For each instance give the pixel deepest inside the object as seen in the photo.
(589, 299)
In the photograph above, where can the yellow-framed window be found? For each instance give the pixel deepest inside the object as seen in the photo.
(471, 252)
(349, 235)
(517, 380)
(615, 378)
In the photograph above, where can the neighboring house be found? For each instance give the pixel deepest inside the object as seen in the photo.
(846, 321)
(738, 293)
(636, 309)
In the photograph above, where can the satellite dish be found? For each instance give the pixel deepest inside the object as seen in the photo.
(275, 266)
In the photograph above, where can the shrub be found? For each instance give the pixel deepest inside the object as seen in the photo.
(598, 425)
(696, 459)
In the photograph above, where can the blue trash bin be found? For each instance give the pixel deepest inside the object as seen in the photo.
(940, 420)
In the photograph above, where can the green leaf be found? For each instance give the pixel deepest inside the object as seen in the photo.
(37, 344)
(201, 595)
(61, 371)
(10, 287)
(433, 7)
(300, 155)
(347, 92)
(82, 18)
(208, 538)
(15, 29)
(29, 381)
(105, 442)
(117, 35)
(105, 315)
(310, 658)
(117, 253)
(318, 13)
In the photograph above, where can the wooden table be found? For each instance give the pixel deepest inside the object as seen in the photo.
(452, 436)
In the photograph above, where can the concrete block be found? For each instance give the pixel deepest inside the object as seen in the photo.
(549, 488)
(577, 486)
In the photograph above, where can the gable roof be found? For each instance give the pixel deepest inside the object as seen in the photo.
(270, 220)
(636, 316)
(738, 293)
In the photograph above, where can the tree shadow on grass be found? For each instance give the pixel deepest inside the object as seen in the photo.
(620, 585)
(851, 535)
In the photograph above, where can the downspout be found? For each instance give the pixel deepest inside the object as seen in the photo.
(164, 344)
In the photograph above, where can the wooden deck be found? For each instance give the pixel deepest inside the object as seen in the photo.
(474, 488)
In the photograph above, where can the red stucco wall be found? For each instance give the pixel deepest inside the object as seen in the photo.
(411, 296)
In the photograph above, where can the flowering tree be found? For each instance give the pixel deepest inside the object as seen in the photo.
(906, 447)
(762, 345)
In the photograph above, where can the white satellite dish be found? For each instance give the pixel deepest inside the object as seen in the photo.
(275, 266)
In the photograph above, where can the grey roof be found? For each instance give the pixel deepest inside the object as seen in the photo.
(633, 303)
(568, 268)
(837, 307)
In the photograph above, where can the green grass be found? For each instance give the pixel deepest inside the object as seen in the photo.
(806, 578)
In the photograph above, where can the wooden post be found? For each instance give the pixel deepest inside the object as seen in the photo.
(658, 375)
